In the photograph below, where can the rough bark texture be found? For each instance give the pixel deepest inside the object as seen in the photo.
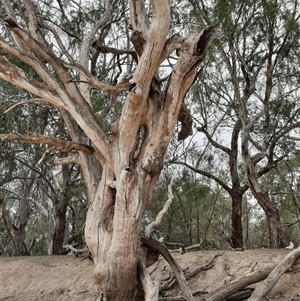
(136, 166)
(237, 190)
(236, 220)
(129, 158)
(261, 196)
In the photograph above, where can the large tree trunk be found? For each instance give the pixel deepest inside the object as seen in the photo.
(115, 216)
(113, 231)
(131, 155)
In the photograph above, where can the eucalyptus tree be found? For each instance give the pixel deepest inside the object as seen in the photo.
(17, 179)
(119, 129)
(286, 195)
(248, 94)
(22, 188)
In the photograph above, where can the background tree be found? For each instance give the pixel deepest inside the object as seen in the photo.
(198, 215)
(122, 155)
(247, 103)
(28, 190)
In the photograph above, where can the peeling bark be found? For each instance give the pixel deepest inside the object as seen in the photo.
(127, 162)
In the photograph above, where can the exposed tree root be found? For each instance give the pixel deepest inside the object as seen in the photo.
(76, 251)
(162, 249)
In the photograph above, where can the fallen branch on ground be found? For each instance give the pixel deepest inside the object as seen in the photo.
(240, 284)
(76, 251)
(263, 288)
(205, 266)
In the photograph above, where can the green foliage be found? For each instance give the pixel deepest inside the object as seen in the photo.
(196, 213)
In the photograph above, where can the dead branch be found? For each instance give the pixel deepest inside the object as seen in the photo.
(151, 289)
(34, 101)
(60, 145)
(181, 246)
(203, 267)
(105, 49)
(241, 295)
(194, 247)
(237, 285)
(233, 249)
(76, 251)
(263, 288)
(160, 215)
(171, 282)
(162, 249)
(177, 298)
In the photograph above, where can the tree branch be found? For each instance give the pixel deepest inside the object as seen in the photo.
(35, 101)
(70, 98)
(206, 174)
(161, 214)
(60, 145)
(263, 288)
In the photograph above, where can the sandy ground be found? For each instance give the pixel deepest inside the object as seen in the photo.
(68, 278)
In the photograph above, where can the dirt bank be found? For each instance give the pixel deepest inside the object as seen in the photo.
(68, 278)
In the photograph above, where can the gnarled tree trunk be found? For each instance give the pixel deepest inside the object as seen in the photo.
(129, 179)
(131, 155)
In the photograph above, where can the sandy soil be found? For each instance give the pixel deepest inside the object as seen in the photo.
(66, 278)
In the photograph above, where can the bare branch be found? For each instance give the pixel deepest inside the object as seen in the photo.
(206, 174)
(11, 15)
(162, 249)
(94, 82)
(161, 214)
(206, 266)
(263, 288)
(86, 44)
(155, 42)
(59, 42)
(60, 145)
(34, 101)
(70, 98)
(76, 251)
(213, 142)
(16, 76)
(238, 284)
(106, 49)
